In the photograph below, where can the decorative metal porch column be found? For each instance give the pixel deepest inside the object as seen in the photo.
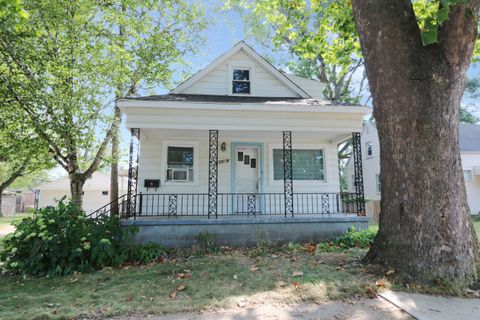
(288, 172)
(133, 171)
(358, 173)
(212, 172)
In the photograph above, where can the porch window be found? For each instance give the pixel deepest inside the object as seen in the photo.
(241, 81)
(307, 164)
(180, 164)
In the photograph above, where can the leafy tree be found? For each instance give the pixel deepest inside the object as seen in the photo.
(466, 116)
(146, 40)
(417, 71)
(71, 58)
(320, 35)
(21, 151)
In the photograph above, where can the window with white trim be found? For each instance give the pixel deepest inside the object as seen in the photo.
(467, 175)
(308, 164)
(241, 81)
(379, 185)
(180, 163)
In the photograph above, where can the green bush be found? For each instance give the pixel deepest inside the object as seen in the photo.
(207, 242)
(144, 253)
(352, 238)
(61, 240)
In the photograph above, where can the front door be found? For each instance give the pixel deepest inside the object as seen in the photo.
(247, 179)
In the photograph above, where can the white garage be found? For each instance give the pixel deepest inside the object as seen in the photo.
(96, 191)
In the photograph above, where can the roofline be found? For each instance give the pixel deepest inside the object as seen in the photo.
(276, 106)
(241, 45)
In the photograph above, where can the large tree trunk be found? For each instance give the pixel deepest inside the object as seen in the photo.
(425, 232)
(114, 164)
(76, 189)
(1, 194)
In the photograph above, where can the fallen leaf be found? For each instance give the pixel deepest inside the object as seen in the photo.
(310, 247)
(380, 283)
(235, 277)
(187, 276)
(173, 295)
(276, 274)
(281, 284)
(296, 284)
(129, 298)
(181, 287)
(297, 273)
(253, 268)
(274, 256)
(242, 303)
(389, 272)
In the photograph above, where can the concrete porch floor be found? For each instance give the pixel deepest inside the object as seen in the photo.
(236, 230)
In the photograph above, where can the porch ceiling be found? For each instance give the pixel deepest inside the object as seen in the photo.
(243, 135)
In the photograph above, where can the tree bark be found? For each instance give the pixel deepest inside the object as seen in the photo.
(76, 189)
(425, 233)
(1, 194)
(114, 164)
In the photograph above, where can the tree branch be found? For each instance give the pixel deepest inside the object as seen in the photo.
(458, 33)
(15, 174)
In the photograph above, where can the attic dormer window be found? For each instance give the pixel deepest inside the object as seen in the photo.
(241, 81)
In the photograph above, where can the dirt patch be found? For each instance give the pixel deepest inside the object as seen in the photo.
(368, 309)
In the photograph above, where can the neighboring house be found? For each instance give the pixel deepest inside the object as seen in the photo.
(469, 152)
(219, 146)
(96, 191)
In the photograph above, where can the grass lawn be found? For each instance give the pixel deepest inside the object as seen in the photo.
(214, 281)
(6, 221)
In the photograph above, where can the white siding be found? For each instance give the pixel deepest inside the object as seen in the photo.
(263, 84)
(471, 160)
(312, 87)
(151, 165)
(92, 199)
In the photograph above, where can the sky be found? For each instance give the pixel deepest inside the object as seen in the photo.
(225, 29)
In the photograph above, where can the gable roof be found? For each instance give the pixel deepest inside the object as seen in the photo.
(242, 46)
(469, 137)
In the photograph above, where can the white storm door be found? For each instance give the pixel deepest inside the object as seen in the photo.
(247, 180)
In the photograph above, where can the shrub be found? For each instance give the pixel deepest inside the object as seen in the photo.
(61, 240)
(207, 242)
(144, 253)
(352, 238)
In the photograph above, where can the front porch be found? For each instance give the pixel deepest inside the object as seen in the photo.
(250, 166)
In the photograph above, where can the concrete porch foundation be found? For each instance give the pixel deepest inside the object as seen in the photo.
(244, 231)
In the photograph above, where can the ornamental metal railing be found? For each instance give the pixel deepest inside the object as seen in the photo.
(174, 205)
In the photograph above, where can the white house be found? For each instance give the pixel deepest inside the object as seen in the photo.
(469, 152)
(96, 191)
(239, 138)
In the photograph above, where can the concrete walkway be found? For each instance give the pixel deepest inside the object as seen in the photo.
(364, 309)
(4, 230)
(425, 307)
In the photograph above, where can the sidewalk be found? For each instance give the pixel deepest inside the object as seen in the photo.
(425, 307)
(4, 230)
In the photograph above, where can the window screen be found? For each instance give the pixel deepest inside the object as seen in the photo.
(307, 164)
(241, 81)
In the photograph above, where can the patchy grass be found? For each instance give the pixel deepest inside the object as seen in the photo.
(221, 280)
(6, 221)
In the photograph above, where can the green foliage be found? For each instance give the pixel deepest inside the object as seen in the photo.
(144, 253)
(207, 242)
(320, 35)
(431, 14)
(61, 240)
(355, 239)
(467, 117)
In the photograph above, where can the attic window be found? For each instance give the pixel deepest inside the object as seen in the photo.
(241, 81)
